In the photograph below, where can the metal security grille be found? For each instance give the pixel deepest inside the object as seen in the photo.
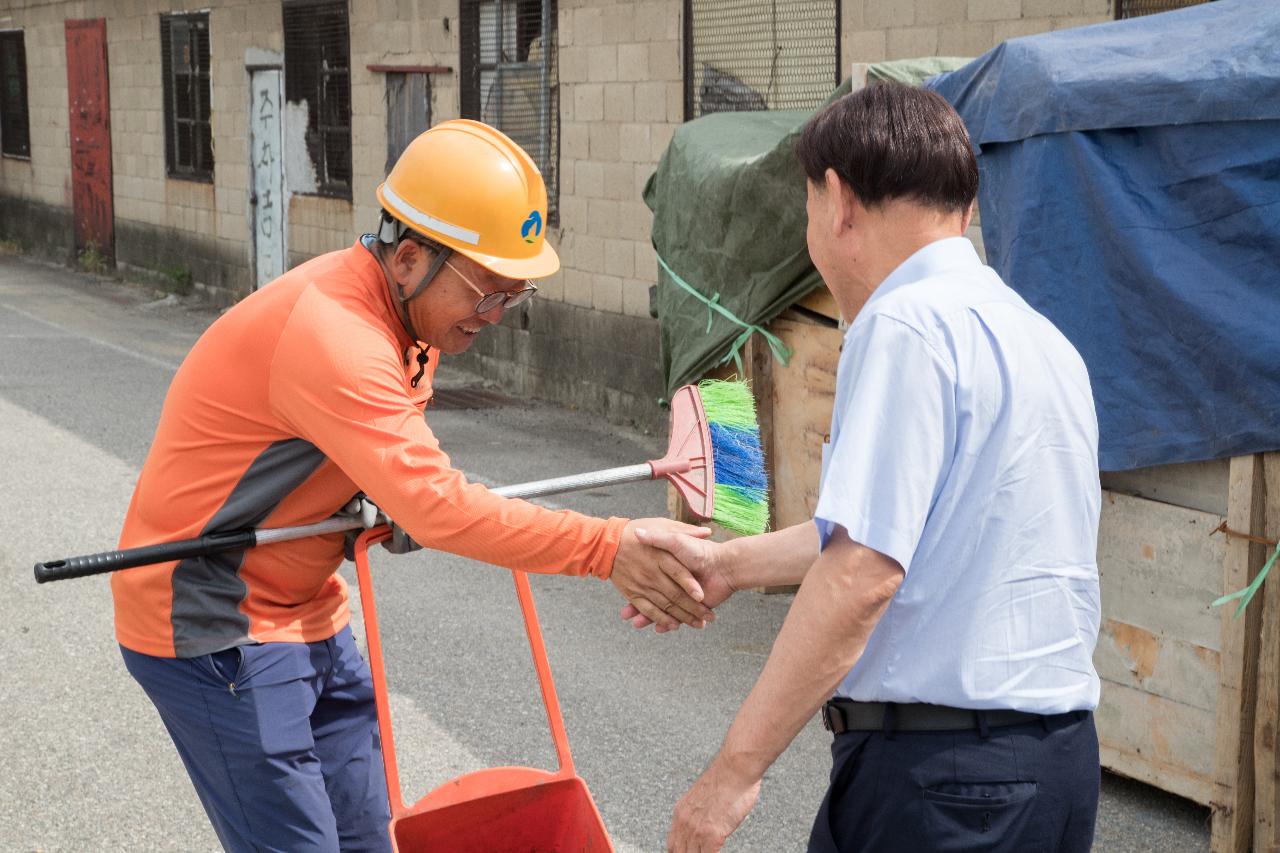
(317, 77)
(184, 65)
(759, 54)
(1138, 8)
(510, 79)
(15, 139)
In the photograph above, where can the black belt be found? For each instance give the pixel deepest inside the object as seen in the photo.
(845, 715)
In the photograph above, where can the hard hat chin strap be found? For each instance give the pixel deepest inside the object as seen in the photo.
(390, 232)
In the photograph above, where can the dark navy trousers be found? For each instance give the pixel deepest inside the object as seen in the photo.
(280, 741)
(1028, 788)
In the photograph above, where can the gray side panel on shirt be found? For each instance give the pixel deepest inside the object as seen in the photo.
(207, 591)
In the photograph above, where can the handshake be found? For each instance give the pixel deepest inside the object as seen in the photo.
(667, 571)
(670, 573)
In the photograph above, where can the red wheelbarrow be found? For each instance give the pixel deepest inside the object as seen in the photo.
(499, 810)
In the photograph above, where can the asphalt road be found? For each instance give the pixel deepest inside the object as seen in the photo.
(84, 364)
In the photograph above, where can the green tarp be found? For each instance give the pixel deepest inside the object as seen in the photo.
(728, 202)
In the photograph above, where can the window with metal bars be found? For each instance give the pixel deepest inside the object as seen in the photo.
(184, 65)
(759, 54)
(509, 69)
(317, 76)
(15, 138)
(1138, 8)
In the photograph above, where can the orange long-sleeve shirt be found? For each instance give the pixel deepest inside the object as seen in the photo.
(292, 402)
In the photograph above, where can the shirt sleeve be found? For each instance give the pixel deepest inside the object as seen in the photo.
(892, 439)
(345, 393)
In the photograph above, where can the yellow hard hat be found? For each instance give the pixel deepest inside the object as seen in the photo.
(467, 186)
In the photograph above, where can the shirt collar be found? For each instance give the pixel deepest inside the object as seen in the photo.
(939, 256)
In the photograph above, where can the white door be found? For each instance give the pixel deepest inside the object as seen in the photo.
(267, 203)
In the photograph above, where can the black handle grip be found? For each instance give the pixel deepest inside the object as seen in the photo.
(110, 561)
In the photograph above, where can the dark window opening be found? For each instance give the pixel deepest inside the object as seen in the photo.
(509, 68)
(1138, 8)
(408, 111)
(744, 55)
(15, 137)
(184, 65)
(317, 75)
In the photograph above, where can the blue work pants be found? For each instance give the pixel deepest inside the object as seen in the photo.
(280, 741)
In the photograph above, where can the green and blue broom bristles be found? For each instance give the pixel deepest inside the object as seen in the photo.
(741, 497)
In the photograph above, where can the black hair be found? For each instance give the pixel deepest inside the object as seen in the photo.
(893, 141)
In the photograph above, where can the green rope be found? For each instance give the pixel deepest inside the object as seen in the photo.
(780, 351)
(1249, 591)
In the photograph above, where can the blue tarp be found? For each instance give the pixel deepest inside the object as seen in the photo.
(1130, 191)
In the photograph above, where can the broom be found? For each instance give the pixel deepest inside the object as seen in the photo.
(713, 459)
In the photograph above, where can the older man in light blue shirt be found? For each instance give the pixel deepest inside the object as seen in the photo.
(949, 589)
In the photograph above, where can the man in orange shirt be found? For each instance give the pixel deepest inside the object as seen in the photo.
(304, 394)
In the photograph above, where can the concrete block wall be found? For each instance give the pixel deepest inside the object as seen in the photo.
(204, 227)
(621, 99)
(880, 30)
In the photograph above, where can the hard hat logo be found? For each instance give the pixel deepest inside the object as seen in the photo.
(532, 227)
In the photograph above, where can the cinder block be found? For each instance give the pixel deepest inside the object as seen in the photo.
(585, 251)
(675, 102)
(911, 42)
(602, 63)
(635, 221)
(643, 171)
(863, 46)
(651, 23)
(633, 62)
(573, 213)
(574, 141)
(552, 287)
(602, 217)
(885, 14)
(664, 60)
(646, 262)
(577, 287)
(995, 10)
(932, 12)
(619, 257)
(635, 297)
(1051, 8)
(651, 101)
(636, 142)
(966, 39)
(661, 138)
(619, 102)
(618, 23)
(605, 143)
(1005, 30)
(588, 27)
(618, 181)
(588, 102)
(589, 179)
(573, 64)
(606, 293)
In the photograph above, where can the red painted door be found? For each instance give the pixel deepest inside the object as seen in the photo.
(90, 107)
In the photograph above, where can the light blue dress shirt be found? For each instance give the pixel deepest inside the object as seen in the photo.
(964, 445)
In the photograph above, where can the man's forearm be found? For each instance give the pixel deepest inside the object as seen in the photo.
(838, 606)
(772, 559)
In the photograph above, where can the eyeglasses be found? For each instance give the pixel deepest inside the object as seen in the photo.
(505, 298)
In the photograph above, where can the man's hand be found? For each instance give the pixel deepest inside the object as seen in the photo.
(657, 584)
(712, 809)
(705, 559)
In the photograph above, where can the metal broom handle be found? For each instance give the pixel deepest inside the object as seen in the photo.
(239, 540)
